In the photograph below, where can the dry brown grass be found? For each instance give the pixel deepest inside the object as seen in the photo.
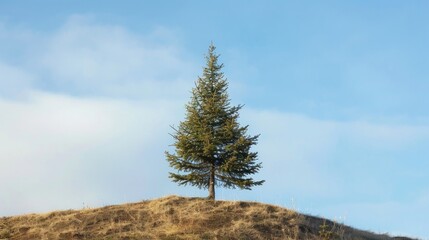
(165, 218)
(170, 217)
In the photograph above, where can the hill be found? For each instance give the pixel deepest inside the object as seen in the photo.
(176, 217)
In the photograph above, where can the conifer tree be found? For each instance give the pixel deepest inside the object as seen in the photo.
(211, 148)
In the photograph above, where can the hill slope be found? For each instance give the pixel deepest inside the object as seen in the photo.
(176, 217)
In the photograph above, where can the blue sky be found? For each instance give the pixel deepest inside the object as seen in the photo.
(337, 90)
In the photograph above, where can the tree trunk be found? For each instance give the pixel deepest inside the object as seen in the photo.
(212, 184)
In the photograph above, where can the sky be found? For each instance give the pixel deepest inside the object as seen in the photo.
(337, 90)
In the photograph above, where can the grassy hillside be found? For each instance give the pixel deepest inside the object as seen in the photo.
(176, 217)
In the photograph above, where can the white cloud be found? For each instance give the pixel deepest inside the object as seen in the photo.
(59, 151)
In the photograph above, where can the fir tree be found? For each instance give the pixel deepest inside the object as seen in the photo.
(211, 148)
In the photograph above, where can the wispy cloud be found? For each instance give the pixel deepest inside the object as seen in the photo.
(84, 57)
(304, 149)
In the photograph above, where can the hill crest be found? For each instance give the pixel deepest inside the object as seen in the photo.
(175, 217)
